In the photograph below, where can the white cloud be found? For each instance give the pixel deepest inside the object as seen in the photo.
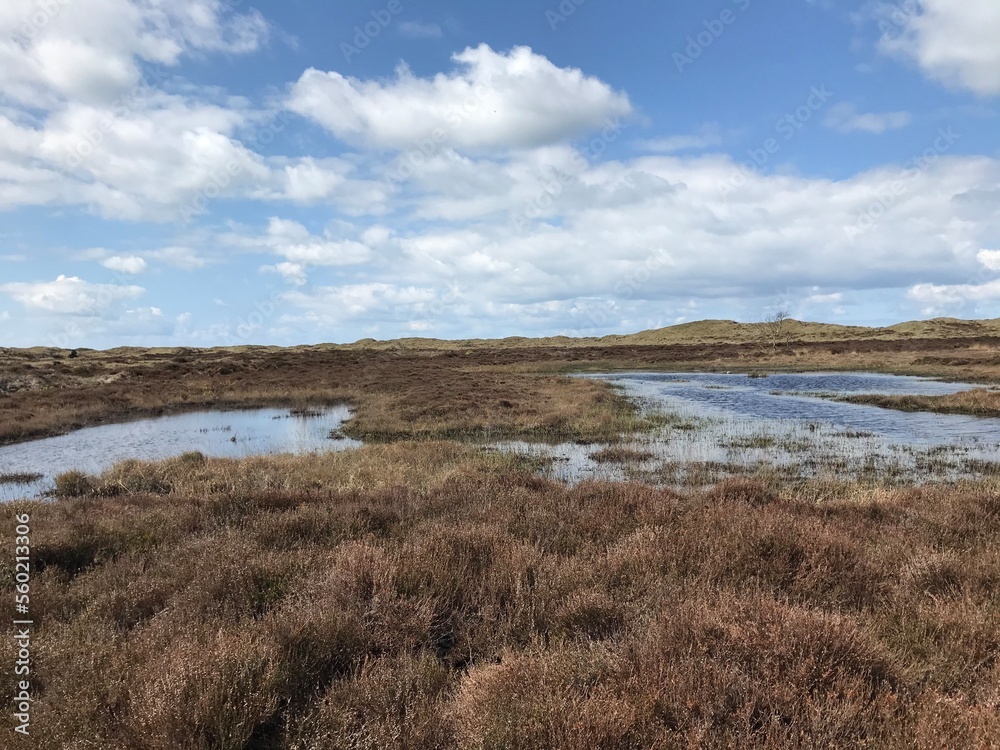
(990, 259)
(302, 250)
(92, 52)
(309, 180)
(846, 118)
(493, 100)
(707, 137)
(69, 295)
(145, 312)
(942, 296)
(953, 42)
(90, 132)
(164, 157)
(292, 273)
(538, 240)
(417, 30)
(125, 264)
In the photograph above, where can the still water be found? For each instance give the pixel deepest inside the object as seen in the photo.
(727, 421)
(224, 434)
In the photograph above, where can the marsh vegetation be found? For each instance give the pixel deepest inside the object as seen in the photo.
(979, 402)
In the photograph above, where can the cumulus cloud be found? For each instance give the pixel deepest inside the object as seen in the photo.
(69, 295)
(125, 264)
(93, 52)
(309, 180)
(953, 42)
(989, 259)
(87, 129)
(940, 297)
(163, 157)
(557, 243)
(302, 250)
(846, 118)
(545, 240)
(493, 100)
(292, 273)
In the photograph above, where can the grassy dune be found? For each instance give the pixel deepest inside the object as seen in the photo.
(720, 332)
(427, 595)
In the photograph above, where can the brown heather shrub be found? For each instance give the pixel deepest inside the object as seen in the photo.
(204, 690)
(558, 698)
(750, 491)
(432, 596)
(393, 702)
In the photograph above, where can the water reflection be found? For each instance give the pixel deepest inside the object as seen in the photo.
(227, 434)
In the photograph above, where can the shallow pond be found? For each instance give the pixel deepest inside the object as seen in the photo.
(719, 424)
(224, 434)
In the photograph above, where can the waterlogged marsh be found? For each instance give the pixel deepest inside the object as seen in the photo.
(715, 425)
(223, 434)
(724, 424)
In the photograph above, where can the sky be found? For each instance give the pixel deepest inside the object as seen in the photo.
(226, 172)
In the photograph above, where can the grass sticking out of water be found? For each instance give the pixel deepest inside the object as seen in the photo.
(754, 442)
(621, 455)
(978, 402)
(20, 478)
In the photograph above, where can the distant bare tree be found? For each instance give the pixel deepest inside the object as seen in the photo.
(773, 328)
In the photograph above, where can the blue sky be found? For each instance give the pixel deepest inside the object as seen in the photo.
(200, 172)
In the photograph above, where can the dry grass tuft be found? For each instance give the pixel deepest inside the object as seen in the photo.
(750, 491)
